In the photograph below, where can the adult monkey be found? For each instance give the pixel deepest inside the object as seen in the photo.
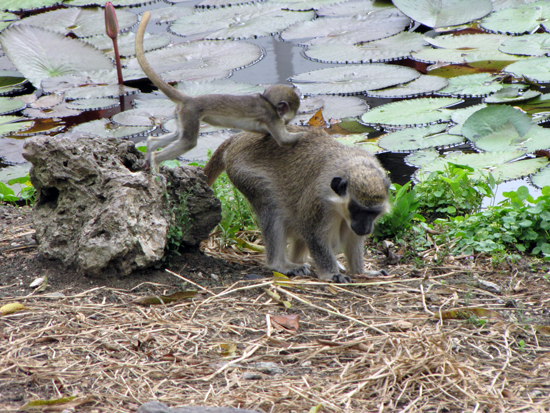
(320, 195)
(266, 113)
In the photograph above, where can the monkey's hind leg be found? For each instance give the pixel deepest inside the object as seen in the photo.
(275, 239)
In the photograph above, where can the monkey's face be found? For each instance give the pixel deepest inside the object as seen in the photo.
(359, 212)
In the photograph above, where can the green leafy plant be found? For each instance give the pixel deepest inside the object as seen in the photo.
(452, 192)
(519, 222)
(26, 195)
(180, 225)
(237, 214)
(404, 210)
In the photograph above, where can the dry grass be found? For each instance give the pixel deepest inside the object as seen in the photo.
(377, 346)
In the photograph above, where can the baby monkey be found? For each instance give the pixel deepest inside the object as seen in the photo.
(320, 194)
(266, 113)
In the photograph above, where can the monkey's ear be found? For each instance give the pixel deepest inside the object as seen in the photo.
(339, 185)
(282, 108)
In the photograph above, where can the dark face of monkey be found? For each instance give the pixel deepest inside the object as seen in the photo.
(362, 215)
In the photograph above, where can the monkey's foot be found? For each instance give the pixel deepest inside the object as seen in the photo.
(294, 271)
(376, 273)
(341, 279)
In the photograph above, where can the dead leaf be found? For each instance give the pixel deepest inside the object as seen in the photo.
(290, 322)
(165, 299)
(228, 350)
(317, 119)
(466, 313)
(12, 308)
(56, 405)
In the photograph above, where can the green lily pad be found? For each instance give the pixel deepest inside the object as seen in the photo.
(390, 48)
(350, 30)
(200, 60)
(352, 79)
(497, 163)
(332, 108)
(10, 124)
(93, 104)
(105, 129)
(116, 3)
(58, 111)
(511, 94)
(39, 53)
(224, 86)
(507, 137)
(107, 91)
(538, 105)
(170, 13)
(490, 119)
(536, 69)
(478, 84)
(9, 105)
(159, 108)
(541, 178)
(80, 22)
(529, 45)
(239, 22)
(412, 139)
(133, 117)
(303, 4)
(459, 116)
(424, 85)
(443, 13)
(521, 19)
(18, 5)
(352, 8)
(412, 112)
(127, 43)
(422, 157)
(464, 49)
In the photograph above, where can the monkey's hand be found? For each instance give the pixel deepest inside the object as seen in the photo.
(341, 279)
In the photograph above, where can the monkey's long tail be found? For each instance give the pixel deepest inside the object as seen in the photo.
(216, 164)
(171, 92)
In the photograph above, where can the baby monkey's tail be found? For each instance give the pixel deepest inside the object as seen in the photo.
(216, 164)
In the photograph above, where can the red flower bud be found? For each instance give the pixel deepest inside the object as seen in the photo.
(111, 23)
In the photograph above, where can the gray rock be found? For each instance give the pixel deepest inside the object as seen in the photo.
(157, 407)
(98, 210)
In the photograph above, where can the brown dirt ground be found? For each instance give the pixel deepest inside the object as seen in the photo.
(429, 339)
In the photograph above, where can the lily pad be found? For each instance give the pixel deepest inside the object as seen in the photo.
(239, 22)
(39, 53)
(80, 22)
(497, 163)
(475, 85)
(525, 18)
(350, 30)
(107, 91)
(116, 3)
(127, 43)
(507, 137)
(46, 101)
(158, 108)
(541, 178)
(133, 117)
(390, 48)
(412, 139)
(6, 19)
(443, 13)
(511, 94)
(490, 119)
(529, 45)
(332, 108)
(58, 111)
(201, 60)
(9, 105)
(353, 79)
(535, 69)
(170, 14)
(422, 157)
(93, 104)
(10, 124)
(422, 86)
(351, 8)
(459, 116)
(224, 86)
(412, 112)
(18, 5)
(105, 129)
(464, 49)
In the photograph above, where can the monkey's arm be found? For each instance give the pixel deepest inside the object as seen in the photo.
(325, 262)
